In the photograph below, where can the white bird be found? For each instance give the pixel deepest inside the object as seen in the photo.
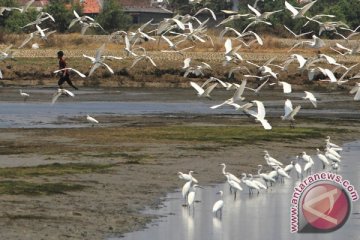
(260, 115)
(251, 185)
(322, 158)
(316, 43)
(24, 95)
(306, 157)
(266, 177)
(348, 51)
(272, 162)
(332, 145)
(79, 19)
(231, 176)
(191, 196)
(257, 90)
(301, 12)
(219, 204)
(308, 166)
(290, 113)
(71, 69)
(297, 35)
(258, 183)
(298, 167)
(98, 60)
(203, 92)
(185, 189)
(187, 177)
(282, 172)
(332, 152)
(332, 157)
(236, 97)
(231, 53)
(309, 96)
(285, 86)
(332, 78)
(233, 185)
(91, 120)
(59, 92)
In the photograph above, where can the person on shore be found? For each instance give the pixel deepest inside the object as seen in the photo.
(64, 75)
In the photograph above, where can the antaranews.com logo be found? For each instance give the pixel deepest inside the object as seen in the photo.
(321, 203)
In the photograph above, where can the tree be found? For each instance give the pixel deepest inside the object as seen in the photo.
(112, 17)
(61, 14)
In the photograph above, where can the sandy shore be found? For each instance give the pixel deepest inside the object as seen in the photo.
(134, 163)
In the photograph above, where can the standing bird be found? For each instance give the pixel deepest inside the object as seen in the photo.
(187, 177)
(191, 196)
(91, 120)
(322, 158)
(233, 185)
(249, 184)
(218, 205)
(24, 95)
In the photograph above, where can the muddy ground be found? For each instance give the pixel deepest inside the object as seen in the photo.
(93, 182)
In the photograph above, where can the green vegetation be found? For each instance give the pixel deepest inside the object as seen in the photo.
(112, 18)
(53, 170)
(32, 189)
(235, 134)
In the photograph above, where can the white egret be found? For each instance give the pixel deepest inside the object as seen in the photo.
(309, 96)
(191, 196)
(295, 13)
(24, 95)
(233, 185)
(290, 113)
(258, 183)
(272, 162)
(266, 177)
(203, 92)
(308, 166)
(322, 158)
(260, 115)
(306, 157)
(231, 176)
(91, 120)
(251, 185)
(187, 177)
(59, 92)
(218, 205)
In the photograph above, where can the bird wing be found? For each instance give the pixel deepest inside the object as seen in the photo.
(286, 87)
(197, 88)
(331, 75)
(108, 67)
(347, 71)
(342, 47)
(357, 95)
(265, 124)
(76, 71)
(295, 111)
(288, 108)
(239, 91)
(311, 98)
(167, 40)
(228, 46)
(206, 9)
(187, 63)
(93, 68)
(293, 10)
(210, 88)
(99, 52)
(307, 7)
(56, 95)
(31, 35)
(260, 114)
(68, 92)
(257, 13)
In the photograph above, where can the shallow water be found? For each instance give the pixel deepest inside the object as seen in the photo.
(38, 111)
(263, 216)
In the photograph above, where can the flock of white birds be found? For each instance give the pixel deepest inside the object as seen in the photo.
(261, 182)
(188, 28)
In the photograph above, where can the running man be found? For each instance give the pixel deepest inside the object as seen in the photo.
(64, 77)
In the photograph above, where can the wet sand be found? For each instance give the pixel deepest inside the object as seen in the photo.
(144, 153)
